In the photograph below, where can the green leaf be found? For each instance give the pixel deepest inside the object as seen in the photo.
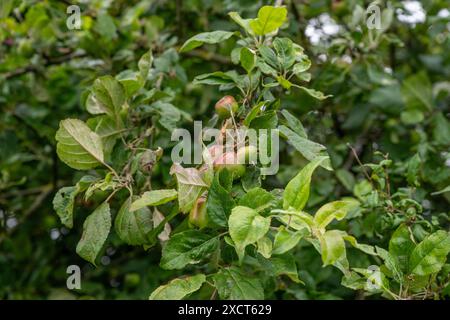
(106, 184)
(105, 26)
(244, 23)
(246, 227)
(302, 66)
(107, 129)
(297, 220)
(387, 98)
(258, 199)
(109, 94)
(78, 146)
(285, 52)
(441, 129)
(145, 64)
(294, 124)
(169, 115)
(251, 178)
(269, 19)
(413, 173)
(417, 92)
(303, 76)
(363, 247)
(446, 189)
(296, 193)
(265, 247)
(269, 120)
(281, 265)
(177, 289)
(5, 8)
(86, 181)
(95, 232)
(63, 204)
(131, 81)
(154, 198)
(266, 68)
(93, 106)
(255, 111)
(286, 240)
(187, 247)
(190, 186)
(205, 37)
(248, 59)
(391, 263)
(220, 202)
(334, 210)
(133, 227)
(309, 149)
(161, 227)
(363, 189)
(216, 78)
(233, 284)
(430, 255)
(63, 201)
(411, 117)
(401, 245)
(346, 178)
(235, 55)
(354, 281)
(269, 57)
(332, 247)
(313, 93)
(386, 19)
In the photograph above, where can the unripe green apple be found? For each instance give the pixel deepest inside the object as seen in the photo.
(229, 162)
(225, 106)
(132, 279)
(247, 155)
(197, 215)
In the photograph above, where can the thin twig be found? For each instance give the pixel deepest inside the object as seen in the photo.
(360, 163)
(209, 56)
(48, 62)
(46, 190)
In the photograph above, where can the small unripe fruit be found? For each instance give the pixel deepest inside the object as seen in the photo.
(229, 162)
(156, 170)
(247, 155)
(197, 215)
(215, 151)
(225, 106)
(132, 279)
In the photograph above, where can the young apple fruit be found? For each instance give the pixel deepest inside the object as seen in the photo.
(225, 106)
(197, 215)
(229, 161)
(247, 155)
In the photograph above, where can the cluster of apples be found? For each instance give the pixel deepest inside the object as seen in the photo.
(234, 161)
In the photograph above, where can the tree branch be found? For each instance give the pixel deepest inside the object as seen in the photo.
(48, 62)
(209, 56)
